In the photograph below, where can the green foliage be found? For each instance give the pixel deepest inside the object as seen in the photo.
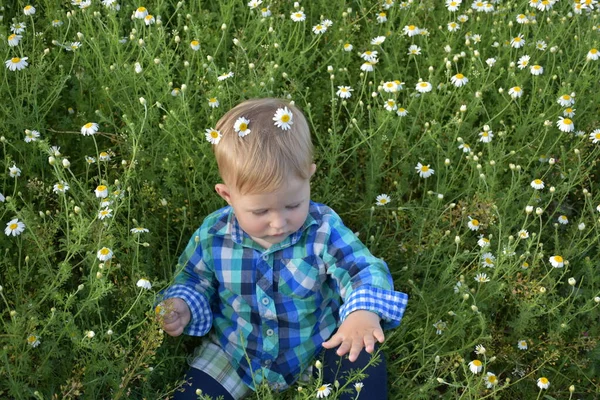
(77, 326)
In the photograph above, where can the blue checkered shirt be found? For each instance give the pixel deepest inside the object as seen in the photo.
(271, 309)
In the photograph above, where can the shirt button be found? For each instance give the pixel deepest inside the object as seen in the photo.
(266, 363)
(265, 257)
(270, 332)
(265, 301)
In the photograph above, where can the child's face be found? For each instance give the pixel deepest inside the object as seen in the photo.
(269, 218)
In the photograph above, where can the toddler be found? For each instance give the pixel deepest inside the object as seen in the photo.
(274, 280)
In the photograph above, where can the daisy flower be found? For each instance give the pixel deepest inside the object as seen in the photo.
(479, 349)
(557, 261)
(569, 112)
(522, 344)
(298, 16)
(515, 92)
(390, 87)
(104, 156)
(382, 199)
(14, 171)
(381, 17)
(213, 136)
(414, 50)
(90, 160)
(563, 220)
(537, 184)
(213, 102)
(31, 136)
(105, 213)
(453, 26)
(522, 19)
(592, 55)
(387, 4)
(241, 126)
(459, 80)
(358, 386)
(523, 62)
(254, 3)
(14, 227)
(518, 41)
(491, 380)
(595, 136)
(439, 327)
(566, 100)
(424, 171)
(29, 10)
(225, 75)
(140, 13)
(367, 66)
(369, 56)
(319, 29)
(18, 27)
(523, 234)
(283, 118)
(376, 41)
(410, 30)
(60, 187)
(144, 283)
(323, 391)
(483, 241)
(344, 92)
(543, 382)
(490, 62)
(104, 254)
(423, 87)
(139, 229)
(137, 67)
(33, 340)
(175, 92)
(465, 147)
(565, 124)
(401, 112)
(16, 63)
(482, 277)
(149, 20)
(348, 47)
(475, 366)
(89, 334)
(390, 105)
(195, 45)
(452, 5)
(265, 12)
(14, 39)
(486, 136)
(536, 70)
(101, 191)
(89, 129)
(473, 224)
(487, 260)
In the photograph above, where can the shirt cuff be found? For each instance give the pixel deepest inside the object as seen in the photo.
(388, 304)
(202, 317)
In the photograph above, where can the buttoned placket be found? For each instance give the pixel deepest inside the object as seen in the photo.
(266, 306)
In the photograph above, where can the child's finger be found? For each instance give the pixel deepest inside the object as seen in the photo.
(356, 347)
(333, 341)
(378, 334)
(369, 343)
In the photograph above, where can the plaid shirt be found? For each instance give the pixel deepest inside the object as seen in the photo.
(271, 309)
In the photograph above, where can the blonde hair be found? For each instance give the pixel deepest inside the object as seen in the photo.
(263, 160)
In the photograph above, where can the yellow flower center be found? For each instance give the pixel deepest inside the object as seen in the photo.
(88, 125)
(298, 15)
(390, 103)
(11, 37)
(285, 118)
(424, 168)
(537, 181)
(322, 388)
(558, 259)
(517, 89)
(544, 381)
(319, 27)
(101, 188)
(567, 121)
(214, 134)
(492, 379)
(566, 97)
(347, 45)
(12, 227)
(475, 222)
(27, 8)
(104, 251)
(401, 109)
(382, 14)
(412, 27)
(536, 67)
(104, 154)
(525, 264)
(31, 339)
(517, 39)
(243, 126)
(488, 260)
(148, 17)
(593, 51)
(597, 135)
(477, 363)
(141, 9)
(423, 84)
(195, 43)
(15, 60)
(459, 76)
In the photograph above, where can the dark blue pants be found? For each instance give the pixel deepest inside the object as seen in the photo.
(334, 368)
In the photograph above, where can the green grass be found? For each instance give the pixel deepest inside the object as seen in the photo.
(161, 176)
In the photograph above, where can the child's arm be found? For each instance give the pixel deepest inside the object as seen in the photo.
(187, 303)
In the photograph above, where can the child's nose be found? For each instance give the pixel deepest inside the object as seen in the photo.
(278, 221)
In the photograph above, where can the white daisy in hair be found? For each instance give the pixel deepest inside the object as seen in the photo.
(283, 118)
(241, 126)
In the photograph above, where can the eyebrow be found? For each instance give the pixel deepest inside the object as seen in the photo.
(287, 205)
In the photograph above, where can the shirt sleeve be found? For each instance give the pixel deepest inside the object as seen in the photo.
(196, 285)
(364, 281)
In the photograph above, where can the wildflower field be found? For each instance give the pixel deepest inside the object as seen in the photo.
(459, 140)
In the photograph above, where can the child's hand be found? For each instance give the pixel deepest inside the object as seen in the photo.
(360, 329)
(176, 315)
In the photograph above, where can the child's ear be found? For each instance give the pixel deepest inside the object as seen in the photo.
(313, 168)
(223, 191)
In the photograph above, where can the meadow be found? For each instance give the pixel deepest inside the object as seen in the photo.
(459, 140)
